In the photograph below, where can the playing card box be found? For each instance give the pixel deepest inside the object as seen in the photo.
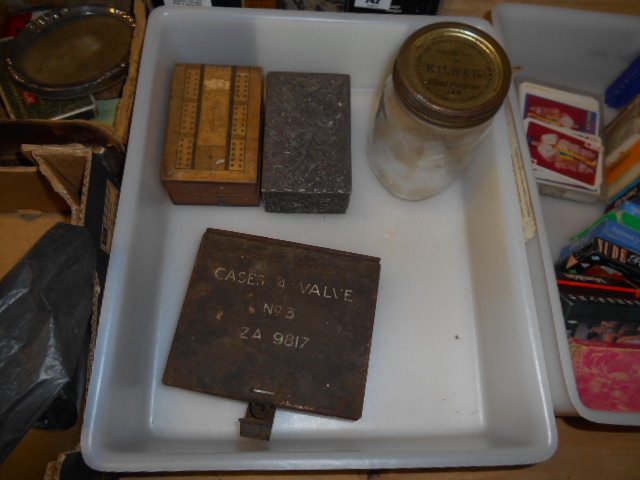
(562, 128)
(563, 158)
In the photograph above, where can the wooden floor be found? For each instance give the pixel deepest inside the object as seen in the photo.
(482, 8)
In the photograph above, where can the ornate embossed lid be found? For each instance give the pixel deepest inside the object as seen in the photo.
(452, 75)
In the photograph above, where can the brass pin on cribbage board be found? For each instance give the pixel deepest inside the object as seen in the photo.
(276, 324)
(212, 144)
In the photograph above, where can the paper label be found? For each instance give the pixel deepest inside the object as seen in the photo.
(373, 4)
(109, 216)
(187, 3)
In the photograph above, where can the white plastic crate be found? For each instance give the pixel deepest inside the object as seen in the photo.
(456, 375)
(584, 50)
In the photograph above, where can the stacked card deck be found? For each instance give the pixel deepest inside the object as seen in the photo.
(562, 129)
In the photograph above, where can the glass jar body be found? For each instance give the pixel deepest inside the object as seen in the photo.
(414, 159)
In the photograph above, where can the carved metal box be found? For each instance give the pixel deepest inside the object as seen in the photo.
(212, 145)
(307, 143)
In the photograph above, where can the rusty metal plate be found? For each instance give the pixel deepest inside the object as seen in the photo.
(278, 323)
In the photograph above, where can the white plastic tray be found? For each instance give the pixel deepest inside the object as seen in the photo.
(456, 375)
(587, 51)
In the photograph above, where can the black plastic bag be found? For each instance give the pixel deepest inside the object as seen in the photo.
(45, 308)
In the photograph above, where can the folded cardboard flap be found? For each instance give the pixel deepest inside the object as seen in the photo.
(23, 184)
(15, 133)
(67, 168)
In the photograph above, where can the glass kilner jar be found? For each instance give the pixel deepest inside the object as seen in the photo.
(448, 81)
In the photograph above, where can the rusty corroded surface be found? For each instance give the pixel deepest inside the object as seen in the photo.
(258, 421)
(276, 323)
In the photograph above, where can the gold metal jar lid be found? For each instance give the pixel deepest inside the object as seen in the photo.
(452, 75)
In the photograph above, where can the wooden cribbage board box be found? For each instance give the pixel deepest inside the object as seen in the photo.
(212, 144)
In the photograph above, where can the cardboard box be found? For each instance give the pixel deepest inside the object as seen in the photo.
(48, 177)
(30, 205)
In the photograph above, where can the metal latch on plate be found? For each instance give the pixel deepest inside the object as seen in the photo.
(258, 421)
